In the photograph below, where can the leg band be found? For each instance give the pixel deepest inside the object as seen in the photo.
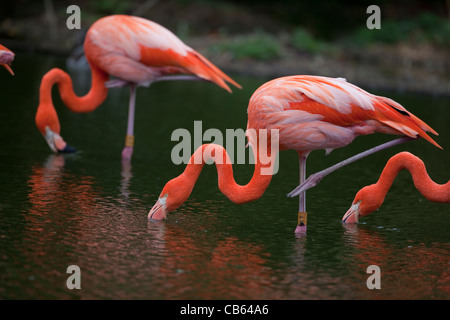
(302, 217)
(129, 140)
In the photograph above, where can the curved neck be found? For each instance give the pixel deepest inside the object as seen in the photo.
(227, 185)
(422, 181)
(46, 115)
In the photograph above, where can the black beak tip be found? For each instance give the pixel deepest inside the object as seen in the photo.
(68, 149)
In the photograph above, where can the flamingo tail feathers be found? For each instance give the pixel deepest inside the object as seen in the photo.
(406, 122)
(202, 67)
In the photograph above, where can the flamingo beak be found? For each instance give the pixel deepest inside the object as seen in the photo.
(352, 214)
(7, 67)
(158, 212)
(56, 142)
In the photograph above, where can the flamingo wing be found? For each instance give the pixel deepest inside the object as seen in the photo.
(314, 112)
(139, 50)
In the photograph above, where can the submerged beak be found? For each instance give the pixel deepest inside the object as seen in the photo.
(352, 214)
(158, 212)
(56, 142)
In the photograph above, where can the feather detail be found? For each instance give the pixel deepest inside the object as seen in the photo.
(328, 113)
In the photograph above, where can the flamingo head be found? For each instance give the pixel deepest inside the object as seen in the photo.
(173, 195)
(6, 58)
(56, 142)
(48, 124)
(366, 201)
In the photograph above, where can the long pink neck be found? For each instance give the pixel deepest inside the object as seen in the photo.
(427, 187)
(96, 95)
(235, 192)
(46, 114)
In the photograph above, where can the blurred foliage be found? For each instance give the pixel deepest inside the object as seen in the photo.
(326, 19)
(259, 45)
(110, 6)
(332, 19)
(310, 26)
(426, 27)
(303, 40)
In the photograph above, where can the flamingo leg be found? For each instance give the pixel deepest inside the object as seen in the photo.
(182, 77)
(301, 226)
(127, 151)
(315, 178)
(302, 171)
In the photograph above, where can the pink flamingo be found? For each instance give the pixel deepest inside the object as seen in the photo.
(137, 52)
(371, 197)
(308, 113)
(6, 58)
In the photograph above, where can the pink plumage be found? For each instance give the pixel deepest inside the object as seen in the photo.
(313, 112)
(139, 50)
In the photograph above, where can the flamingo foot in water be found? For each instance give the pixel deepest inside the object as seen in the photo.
(301, 223)
(300, 230)
(127, 152)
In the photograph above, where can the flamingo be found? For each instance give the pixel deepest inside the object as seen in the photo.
(6, 58)
(371, 197)
(308, 113)
(137, 52)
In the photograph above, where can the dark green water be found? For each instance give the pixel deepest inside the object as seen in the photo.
(88, 210)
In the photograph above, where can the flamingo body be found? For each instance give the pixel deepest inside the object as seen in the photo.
(310, 113)
(313, 112)
(371, 197)
(139, 51)
(134, 50)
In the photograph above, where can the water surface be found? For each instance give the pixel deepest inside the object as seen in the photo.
(89, 210)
